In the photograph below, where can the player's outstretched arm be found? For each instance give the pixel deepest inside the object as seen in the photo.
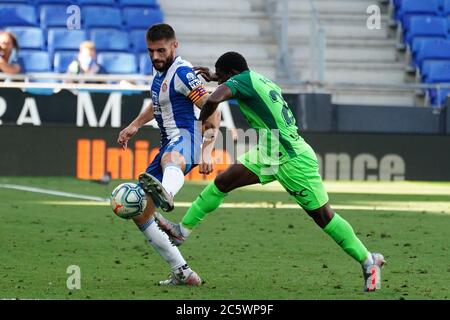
(125, 135)
(210, 130)
(206, 73)
(222, 93)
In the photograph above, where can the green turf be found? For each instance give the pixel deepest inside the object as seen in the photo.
(240, 253)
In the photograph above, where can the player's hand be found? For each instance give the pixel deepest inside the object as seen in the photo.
(206, 164)
(125, 135)
(205, 73)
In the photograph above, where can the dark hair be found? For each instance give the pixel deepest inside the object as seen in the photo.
(13, 38)
(231, 61)
(160, 31)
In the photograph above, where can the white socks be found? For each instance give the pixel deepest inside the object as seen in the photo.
(173, 179)
(160, 241)
(368, 262)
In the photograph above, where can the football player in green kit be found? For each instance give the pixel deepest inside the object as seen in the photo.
(281, 154)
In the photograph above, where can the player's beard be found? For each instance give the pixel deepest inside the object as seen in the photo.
(167, 63)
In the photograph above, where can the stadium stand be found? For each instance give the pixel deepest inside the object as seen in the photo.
(118, 62)
(425, 29)
(29, 37)
(35, 61)
(117, 27)
(354, 55)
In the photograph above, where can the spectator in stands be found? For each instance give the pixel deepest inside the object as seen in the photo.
(9, 50)
(86, 61)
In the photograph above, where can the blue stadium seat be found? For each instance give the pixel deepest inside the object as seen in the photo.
(142, 3)
(145, 64)
(446, 9)
(137, 39)
(53, 15)
(17, 15)
(29, 37)
(431, 49)
(35, 61)
(62, 59)
(64, 39)
(17, 1)
(110, 40)
(101, 17)
(118, 62)
(428, 64)
(410, 8)
(438, 73)
(138, 18)
(97, 2)
(426, 27)
(65, 2)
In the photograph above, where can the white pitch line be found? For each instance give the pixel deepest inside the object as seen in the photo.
(261, 205)
(240, 205)
(52, 192)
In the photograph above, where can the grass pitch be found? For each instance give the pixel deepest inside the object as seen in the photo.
(269, 250)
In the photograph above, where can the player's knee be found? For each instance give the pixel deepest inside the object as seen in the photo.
(322, 216)
(174, 158)
(222, 184)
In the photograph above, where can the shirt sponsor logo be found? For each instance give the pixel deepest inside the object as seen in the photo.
(195, 83)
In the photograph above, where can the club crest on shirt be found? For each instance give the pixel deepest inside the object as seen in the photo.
(164, 87)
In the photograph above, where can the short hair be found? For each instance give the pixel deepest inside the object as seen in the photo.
(232, 61)
(87, 44)
(160, 31)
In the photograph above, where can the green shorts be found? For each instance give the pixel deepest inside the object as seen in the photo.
(299, 176)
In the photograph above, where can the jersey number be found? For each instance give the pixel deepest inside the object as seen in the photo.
(285, 110)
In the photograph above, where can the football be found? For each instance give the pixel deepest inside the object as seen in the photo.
(128, 200)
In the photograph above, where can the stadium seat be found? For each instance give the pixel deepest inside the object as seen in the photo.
(145, 64)
(97, 2)
(438, 73)
(62, 59)
(446, 8)
(432, 49)
(17, 1)
(139, 18)
(142, 3)
(17, 15)
(411, 8)
(65, 2)
(101, 17)
(137, 39)
(421, 26)
(110, 40)
(118, 62)
(35, 61)
(53, 16)
(428, 64)
(28, 37)
(64, 39)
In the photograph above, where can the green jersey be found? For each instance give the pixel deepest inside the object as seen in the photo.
(265, 110)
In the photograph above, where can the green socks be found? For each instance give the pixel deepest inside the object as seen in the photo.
(341, 232)
(209, 200)
(338, 229)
